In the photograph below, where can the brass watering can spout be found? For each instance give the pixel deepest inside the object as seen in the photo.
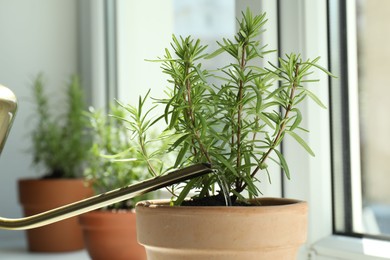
(8, 106)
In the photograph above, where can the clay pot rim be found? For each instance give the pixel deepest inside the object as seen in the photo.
(100, 219)
(280, 203)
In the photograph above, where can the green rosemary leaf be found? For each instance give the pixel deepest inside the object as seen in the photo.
(301, 142)
(183, 151)
(298, 119)
(314, 98)
(183, 194)
(226, 163)
(283, 163)
(215, 53)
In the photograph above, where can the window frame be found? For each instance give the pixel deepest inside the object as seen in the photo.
(304, 30)
(314, 182)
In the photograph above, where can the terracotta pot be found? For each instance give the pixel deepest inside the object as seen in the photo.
(44, 194)
(272, 231)
(111, 235)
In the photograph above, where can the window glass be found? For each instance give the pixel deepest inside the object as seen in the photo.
(373, 39)
(204, 18)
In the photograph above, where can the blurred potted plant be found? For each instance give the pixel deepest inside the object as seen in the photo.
(113, 162)
(235, 124)
(60, 145)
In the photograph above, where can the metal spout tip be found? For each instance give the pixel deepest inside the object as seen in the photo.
(8, 107)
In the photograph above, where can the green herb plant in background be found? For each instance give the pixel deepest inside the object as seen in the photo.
(237, 122)
(114, 160)
(60, 142)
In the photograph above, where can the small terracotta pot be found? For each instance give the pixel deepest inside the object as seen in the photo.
(273, 231)
(44, 194)
(111, 235)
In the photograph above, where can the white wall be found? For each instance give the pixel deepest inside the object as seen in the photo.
(35, 36)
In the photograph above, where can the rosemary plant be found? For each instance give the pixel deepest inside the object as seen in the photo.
(60, 143)
(237, 124)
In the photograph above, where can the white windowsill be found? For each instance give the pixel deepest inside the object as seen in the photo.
(17, 250)
(349, 248)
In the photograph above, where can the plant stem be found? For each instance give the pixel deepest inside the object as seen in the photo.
(240, 108)
(188, 99)
(191, 116)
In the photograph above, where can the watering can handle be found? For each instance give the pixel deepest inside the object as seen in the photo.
(8, 107)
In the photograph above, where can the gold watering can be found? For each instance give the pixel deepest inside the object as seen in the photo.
(8, 107)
